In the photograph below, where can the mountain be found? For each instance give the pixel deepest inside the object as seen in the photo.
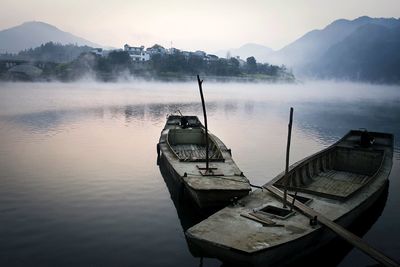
(33, 34)
(260, 52)
(50, 52)
(314, 44)
(371, 53)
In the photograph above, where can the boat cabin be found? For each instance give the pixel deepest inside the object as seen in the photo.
(184, 121)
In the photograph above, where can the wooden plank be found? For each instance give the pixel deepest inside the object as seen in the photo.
(204, 168)
(262, 217)
(339, 230)
(263, 222)
(211, 172)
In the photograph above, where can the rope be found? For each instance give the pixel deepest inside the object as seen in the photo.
(257, 186)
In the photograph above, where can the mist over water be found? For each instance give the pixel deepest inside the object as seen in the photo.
(79, 183)
(31, 97)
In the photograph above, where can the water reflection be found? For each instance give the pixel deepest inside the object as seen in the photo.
(230, 108)
(77, 173)
(40, 121)
(249, 107)
(188, 212)
(134, 112)
(252, 126)
(44, 121)
(328, 121)
(325, 122)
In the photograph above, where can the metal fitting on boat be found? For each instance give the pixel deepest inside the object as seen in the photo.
(314, 221)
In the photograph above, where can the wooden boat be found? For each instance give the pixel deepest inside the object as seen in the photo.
(335, 185)
(182, 150)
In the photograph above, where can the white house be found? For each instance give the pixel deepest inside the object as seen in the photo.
(137, 53)
(200, 53)
(156, 49)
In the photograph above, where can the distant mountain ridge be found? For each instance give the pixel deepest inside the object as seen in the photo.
(315, 43)
(33, 34)
(364, 49)
(371, 53)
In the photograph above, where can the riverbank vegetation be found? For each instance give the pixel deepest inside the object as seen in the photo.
(70, 63)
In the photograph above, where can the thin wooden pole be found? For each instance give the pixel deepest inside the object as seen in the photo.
(200, 82)
(287, 156)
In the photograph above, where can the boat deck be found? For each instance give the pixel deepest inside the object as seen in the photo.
(336, 173)
(192, 152)
(187, 159)
(333, 182)
(258, 231)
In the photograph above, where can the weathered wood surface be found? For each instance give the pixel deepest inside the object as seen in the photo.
(189, 152)
(226, 180)
(339, 230)
(231, 237)
(263, 221)
(338, 172)
(231, 179)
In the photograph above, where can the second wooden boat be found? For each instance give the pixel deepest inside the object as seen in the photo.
(330, 188)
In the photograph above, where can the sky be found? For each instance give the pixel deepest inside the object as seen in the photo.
(191, 25)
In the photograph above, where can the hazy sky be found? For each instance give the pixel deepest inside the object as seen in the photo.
(191, 25)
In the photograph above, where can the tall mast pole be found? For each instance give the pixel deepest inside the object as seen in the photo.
(287, 157)
(200, 82)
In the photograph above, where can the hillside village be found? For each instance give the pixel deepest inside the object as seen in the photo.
(140, 54)
(52, 61)
(333, 52)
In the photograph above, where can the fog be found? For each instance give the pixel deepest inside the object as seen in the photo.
(17, 98)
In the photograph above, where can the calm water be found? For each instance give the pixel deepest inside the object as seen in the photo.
(79, 184)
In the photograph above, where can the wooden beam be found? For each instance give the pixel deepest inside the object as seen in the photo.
(339, 230)
(287, 155)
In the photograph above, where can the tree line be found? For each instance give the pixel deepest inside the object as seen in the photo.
(74, 62)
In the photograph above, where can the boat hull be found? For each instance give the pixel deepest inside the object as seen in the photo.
(215, 198)
(288, 252)
(181, 149)
(232, 236)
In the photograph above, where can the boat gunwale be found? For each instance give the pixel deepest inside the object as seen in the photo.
(310, 159)
(337, 144)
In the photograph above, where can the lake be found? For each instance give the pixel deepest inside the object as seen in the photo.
(79, 184)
